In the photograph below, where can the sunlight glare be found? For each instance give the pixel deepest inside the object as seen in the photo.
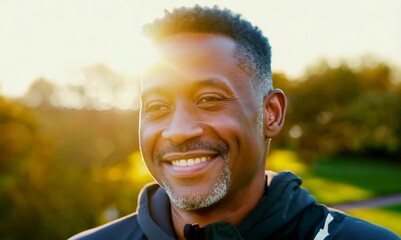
(146, 54)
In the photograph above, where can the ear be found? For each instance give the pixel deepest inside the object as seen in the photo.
(275, 107)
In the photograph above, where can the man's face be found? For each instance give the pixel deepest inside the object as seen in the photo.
(199, 118)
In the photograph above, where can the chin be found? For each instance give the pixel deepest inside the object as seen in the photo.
(197, 200)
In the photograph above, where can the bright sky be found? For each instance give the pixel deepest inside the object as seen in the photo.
(55, 39)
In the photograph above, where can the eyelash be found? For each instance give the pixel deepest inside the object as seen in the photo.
(157, 106)
(153, 107)
(210, 98)
(207, 99)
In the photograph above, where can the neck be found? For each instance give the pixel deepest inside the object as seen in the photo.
(232, 209)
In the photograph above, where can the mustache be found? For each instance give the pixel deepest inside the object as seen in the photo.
(193, 145)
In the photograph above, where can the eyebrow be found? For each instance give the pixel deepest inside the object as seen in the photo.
(209, 82)
(213, 82)
(152, 90)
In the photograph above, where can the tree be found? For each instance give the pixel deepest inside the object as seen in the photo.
(346, 110)
(40, 93)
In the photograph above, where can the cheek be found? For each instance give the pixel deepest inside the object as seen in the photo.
(240, 132)
(239, 122)
(236, 129)
(148, 135)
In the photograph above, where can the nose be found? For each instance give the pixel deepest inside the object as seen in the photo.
(183, 126)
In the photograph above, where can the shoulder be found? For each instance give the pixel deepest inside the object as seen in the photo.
(354, 228)
(123, 229)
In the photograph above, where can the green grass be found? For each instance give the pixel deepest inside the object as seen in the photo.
(389, 217)
(339, 180)
(381, 178)
(394, 208)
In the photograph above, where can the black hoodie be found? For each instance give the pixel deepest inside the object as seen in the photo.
(285, 212)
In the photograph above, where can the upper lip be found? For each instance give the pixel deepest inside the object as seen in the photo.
(172, 156)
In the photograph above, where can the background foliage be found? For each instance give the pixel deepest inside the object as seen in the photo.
(69, 157)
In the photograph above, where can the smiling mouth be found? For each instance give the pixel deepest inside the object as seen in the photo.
(190, 161)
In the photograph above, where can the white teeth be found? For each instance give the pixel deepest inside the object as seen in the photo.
(190, 161)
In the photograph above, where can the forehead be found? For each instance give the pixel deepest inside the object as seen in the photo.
(194, 55)
(196, 43)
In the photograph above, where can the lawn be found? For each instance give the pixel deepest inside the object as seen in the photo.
(339, 180)
(380, 178)
(389, 217)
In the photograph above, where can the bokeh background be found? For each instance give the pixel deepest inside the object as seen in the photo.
(69, 91)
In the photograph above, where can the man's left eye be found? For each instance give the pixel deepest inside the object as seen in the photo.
(208, 99)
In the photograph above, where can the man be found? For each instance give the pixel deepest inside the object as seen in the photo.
(208, 113)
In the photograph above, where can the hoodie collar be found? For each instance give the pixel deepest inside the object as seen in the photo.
(283, 201)
(154, 214)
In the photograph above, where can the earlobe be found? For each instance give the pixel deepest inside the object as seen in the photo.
(275, 106)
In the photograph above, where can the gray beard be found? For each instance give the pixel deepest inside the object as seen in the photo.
(218, 191)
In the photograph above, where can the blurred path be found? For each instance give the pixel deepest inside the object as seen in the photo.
(371, 203)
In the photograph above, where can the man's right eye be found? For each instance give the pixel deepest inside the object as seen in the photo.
(156, 106)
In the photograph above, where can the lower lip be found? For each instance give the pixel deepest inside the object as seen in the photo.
(190, 171)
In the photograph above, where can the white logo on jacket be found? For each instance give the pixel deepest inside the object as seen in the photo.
(324, 232)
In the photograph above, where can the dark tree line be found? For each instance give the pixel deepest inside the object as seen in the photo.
(344, 110)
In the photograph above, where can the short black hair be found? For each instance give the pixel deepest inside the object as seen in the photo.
(253, 50)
